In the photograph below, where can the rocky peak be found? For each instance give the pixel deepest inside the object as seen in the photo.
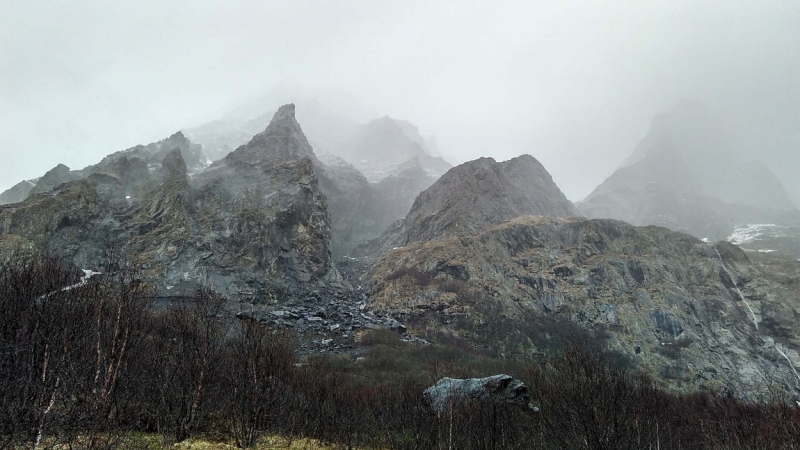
(177, 140)
(694, 314)
(173, 164)
(282, 141)
(483, 192)
(18, 192)
(59, 174)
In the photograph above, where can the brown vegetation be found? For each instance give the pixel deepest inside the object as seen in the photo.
(90, 366)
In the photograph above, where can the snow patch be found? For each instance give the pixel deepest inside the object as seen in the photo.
(743, 234)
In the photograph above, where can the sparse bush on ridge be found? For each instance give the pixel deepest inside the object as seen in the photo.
(94, 366)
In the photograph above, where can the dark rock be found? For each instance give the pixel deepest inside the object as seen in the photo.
(449, 393)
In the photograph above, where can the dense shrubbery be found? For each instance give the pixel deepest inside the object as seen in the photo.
(93, 365)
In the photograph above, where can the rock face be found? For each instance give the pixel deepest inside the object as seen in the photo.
(451, 392)
(134, 167)
(282, 141)
(58, 175)
(255, 224)
(18, 192)
(78, 221)
(152, 154)
(395, 195)
(474, 195)
(348, 194)
(693, 314)
(686, 175)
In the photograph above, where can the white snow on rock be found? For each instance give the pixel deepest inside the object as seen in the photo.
(742, 234)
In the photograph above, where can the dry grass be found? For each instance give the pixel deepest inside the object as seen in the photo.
(267, 443)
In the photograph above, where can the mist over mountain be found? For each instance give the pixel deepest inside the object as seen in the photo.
(263, 222)
(687, 174)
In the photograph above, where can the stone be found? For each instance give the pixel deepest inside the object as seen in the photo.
(449, 393)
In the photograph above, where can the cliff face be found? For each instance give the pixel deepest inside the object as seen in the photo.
(695, 315)
(78, 221)
(254, 225)
(135, 168)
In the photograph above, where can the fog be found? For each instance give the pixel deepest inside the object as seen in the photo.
(575, 84)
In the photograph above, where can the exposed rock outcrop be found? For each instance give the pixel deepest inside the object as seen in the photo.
(56, 176)
(78, 221)
(448, 393)
(153, 154)
(18, 192)
(254, 225)
(480, 193)
(693, 314)
(134, 168)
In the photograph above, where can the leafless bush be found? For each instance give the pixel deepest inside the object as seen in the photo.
(259, 366)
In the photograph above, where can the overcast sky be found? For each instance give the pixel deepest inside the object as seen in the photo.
(575, 84)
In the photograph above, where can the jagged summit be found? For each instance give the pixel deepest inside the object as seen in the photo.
(282, 141)
(59, 174)
(173, 164)
(483, 192)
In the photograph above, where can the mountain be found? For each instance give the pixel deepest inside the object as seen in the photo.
(686, 175)
(378, 148)
(384, 146)
(254, 225)
(474, 195)
(59, 174)
(471, 197)
(133, 166)
(695, 315)
(18, 192)
(154, 153)
(328, 121)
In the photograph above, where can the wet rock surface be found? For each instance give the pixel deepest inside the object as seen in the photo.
(328, 321)
(450, 393)
(695, 315)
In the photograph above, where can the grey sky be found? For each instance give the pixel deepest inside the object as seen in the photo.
(575, 84)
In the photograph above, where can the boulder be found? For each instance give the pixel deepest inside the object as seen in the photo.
(501, 388)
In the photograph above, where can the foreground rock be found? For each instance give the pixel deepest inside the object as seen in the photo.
(450, 392)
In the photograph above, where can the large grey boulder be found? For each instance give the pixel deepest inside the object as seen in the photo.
(449, 392)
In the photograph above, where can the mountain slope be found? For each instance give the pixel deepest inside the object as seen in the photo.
(133, 166)
(694, 315)
(254, 225)
(686, 175)
(479, 193)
